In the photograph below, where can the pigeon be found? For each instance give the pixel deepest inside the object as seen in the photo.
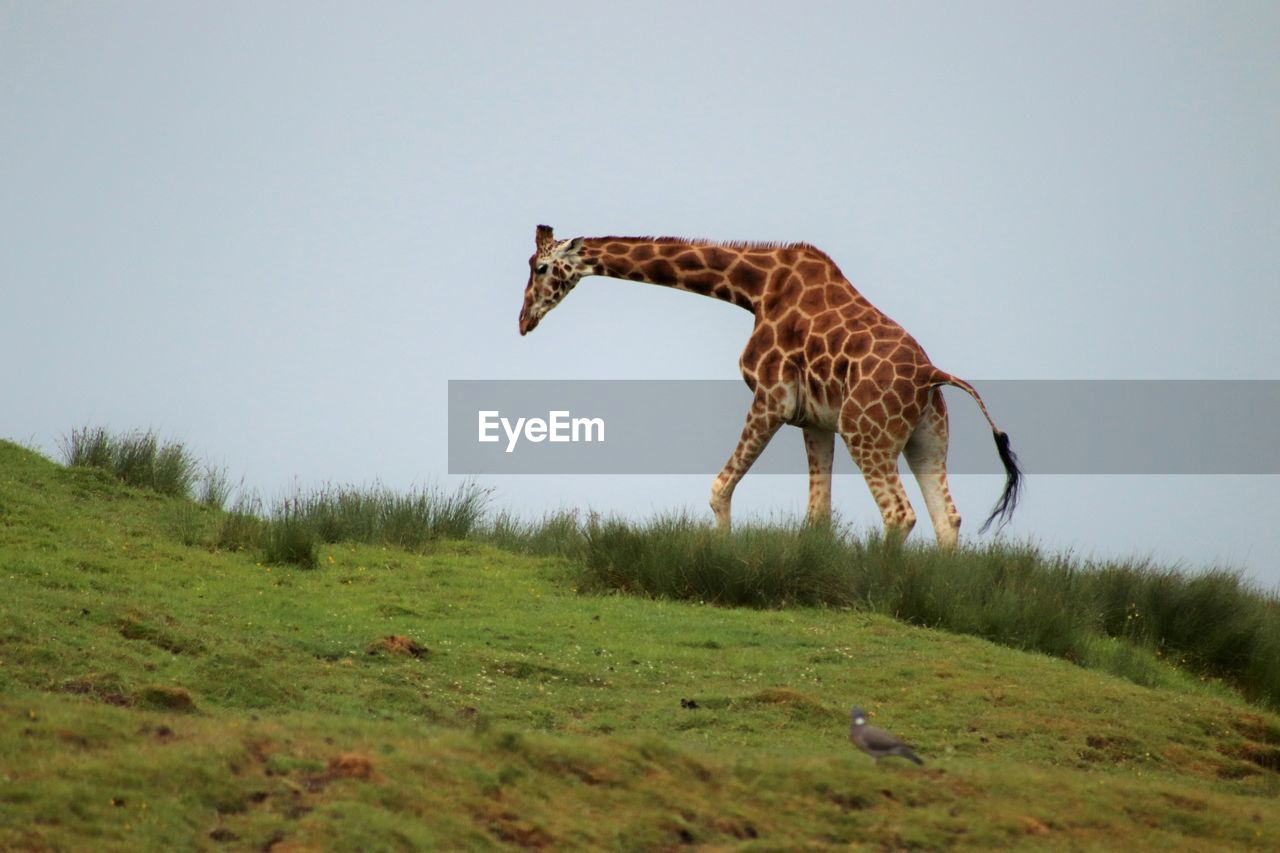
(876, 742)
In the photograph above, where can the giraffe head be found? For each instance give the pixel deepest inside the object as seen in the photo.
(554, 269)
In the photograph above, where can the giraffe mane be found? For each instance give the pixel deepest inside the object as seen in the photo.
(737, 245)
(806, 249)
(767, 245)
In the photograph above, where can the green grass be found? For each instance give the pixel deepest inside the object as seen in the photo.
(557, 534)
(215, 487)
(289, 537)
(1214, 624)
(293, 530)
(159, 695)
(141, 459)
(381, 516)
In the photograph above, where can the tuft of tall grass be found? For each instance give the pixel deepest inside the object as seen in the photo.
(188, 523)
(137, 458)
(243, 526)
(290, 538)
(89, 447)
(1214, 624)
(215, 487)
(380, 516)
(558, 534)
(674, 556)
(293, 529)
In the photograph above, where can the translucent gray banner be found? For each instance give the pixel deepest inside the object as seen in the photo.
(691, 427)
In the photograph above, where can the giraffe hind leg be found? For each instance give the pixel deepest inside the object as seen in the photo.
(926, 453)
(880, 469)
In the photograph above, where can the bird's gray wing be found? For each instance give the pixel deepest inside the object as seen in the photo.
(877, 738)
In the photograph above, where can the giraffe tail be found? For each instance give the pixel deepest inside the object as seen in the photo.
(1003, 510)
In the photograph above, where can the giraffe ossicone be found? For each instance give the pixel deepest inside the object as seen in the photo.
(821, 357)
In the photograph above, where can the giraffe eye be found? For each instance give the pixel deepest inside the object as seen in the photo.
(542, 269)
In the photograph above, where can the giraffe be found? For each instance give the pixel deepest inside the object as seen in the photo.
(820, 357)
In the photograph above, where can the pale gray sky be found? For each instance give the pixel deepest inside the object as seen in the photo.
(275, 230)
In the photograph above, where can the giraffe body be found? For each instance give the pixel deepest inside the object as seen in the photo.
(820, 357)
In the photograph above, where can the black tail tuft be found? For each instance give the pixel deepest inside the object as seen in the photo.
(1012, 484)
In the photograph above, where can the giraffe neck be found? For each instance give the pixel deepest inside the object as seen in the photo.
(735, 274)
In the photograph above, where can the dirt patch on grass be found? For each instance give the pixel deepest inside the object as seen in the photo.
(1265, 756)
(222, 835)
(347, 765)
(850, 802)
(109, 694)
(529, 671)
(163, 734)
(1237, 770)
(73, 738)
(1110, 749)
(797, 703)
(1034, 826)
(350, 765)
(135, 629)
(260, 750)
(1256, 728)
(1183, 803)
(396, 644)
(509, 827)
(165, 698)
(156, 697)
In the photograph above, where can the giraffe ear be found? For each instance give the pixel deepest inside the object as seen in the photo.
(544, 237)
(572, 247)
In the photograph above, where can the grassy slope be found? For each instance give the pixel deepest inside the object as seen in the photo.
(155, 695)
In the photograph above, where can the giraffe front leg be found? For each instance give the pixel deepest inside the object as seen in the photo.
(820, 446)
(763, 421)
(722, 496)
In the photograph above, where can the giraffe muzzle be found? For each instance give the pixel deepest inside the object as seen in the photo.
(528, 322)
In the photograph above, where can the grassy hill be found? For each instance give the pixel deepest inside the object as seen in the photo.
(160, 695)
